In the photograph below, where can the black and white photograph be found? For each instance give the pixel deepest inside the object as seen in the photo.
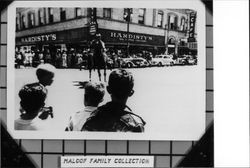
(106, 70)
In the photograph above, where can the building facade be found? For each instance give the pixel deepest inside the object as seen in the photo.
(155, 30)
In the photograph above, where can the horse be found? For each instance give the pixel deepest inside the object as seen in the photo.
(99, 58)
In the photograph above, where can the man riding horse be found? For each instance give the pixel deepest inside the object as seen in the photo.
(99, 55)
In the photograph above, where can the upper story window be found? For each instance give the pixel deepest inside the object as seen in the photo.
(51, 15)
(41, 17)
(31, 19)
(107, 13)
(141, 16)
(159, 19)
(78, 12)
(89, 12)
(23, 22)
(17, 22)
(172, 22)
(62, 14)
(182, 25)
(127, 13)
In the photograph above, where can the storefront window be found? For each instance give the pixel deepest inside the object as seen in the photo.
(41, 16)
(107, 13)
(159, 19)
(78, 12)
(141, 16)
(62, 14)
(51, 15)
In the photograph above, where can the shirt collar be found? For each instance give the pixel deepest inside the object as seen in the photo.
(90, 108)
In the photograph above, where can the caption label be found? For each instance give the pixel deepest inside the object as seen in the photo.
(107, 161)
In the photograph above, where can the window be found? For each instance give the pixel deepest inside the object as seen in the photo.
(89, 12)
(78, 12)
(31, 19)
(41, 16)
(171, 41)
(51, 15)
(141, 16)
(62, 14)
(127, 14)
(107, 13)
(23, 22)
(17, 23)
(159, 19)
(182, 26)
(172, 21)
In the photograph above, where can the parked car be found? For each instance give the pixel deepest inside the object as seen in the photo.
(134, 62)
(163, 60)
(186, 60)
(191, 60)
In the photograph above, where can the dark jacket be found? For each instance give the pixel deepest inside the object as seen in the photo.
(114, 117)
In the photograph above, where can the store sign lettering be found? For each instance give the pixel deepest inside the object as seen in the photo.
(192, 25)
(130, 37)
(41, 38)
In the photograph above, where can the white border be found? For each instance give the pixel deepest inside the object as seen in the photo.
(231, 83)
(201, 22)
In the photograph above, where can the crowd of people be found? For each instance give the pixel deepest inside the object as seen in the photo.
(60, 59)
(114, 116)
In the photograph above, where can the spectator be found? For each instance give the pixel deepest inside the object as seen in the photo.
(93, 95)
(32, 101)
(116, 115)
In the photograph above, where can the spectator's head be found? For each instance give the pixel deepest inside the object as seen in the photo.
(32, 100)
(45, 74)
(120, 84)
(94, 93)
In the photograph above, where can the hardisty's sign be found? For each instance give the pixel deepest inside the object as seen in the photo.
(39, 38)
(131, 37)
(107, 161)
(115, 36)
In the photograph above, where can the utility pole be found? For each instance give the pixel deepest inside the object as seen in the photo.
(127, 17)
(167, 34)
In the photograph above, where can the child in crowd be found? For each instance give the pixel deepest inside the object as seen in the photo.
(45, 74)
(93, 96)
(116, 116)
(32, 101)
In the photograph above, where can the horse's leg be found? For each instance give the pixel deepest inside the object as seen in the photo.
(90, 74)
(99, 73)
(104, 73)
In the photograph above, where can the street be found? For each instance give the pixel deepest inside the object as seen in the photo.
(169, 99)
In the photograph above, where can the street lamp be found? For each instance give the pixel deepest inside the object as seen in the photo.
(127, 17)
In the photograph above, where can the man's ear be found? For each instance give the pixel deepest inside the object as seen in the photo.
(131, 93)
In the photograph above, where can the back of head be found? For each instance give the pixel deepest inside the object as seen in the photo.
(45, 70)
(121, 83)
(94, 93)
(32, 98)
